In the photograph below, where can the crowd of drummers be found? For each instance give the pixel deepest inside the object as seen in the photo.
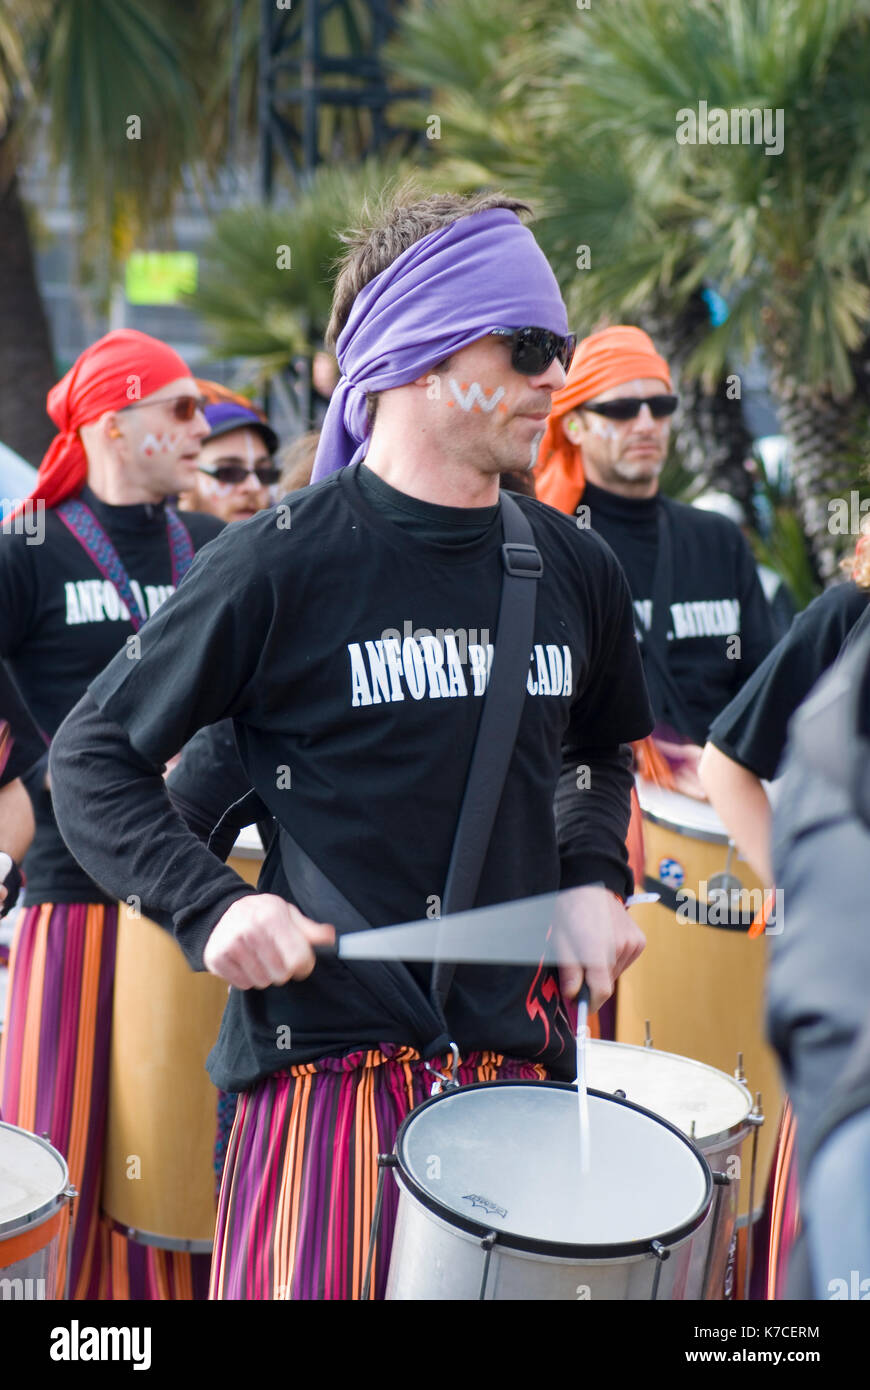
(240, 696)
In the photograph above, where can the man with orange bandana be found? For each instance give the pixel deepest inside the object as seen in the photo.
(701, 617)
(109, 552)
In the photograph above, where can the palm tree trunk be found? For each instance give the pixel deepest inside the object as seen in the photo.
(711, 436)
(27, 370)
(822, 432)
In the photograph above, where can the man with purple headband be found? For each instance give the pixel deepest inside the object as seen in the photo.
(311, 626)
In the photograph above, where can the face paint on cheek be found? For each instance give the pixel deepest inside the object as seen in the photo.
(154, 444)
(210, 487)
(473, 396)
(603, 428)
(533, 455)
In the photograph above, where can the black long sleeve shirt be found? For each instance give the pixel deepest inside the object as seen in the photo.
(719, 627)
(351, 650)
(60, 623)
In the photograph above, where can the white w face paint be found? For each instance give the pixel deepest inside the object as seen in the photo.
(473, 396)
(167, 443)
(602, 427)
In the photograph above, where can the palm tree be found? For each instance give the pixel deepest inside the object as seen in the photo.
(785, 237)
(109, 86)
(265, 283)
(492, 65)
(583, 120)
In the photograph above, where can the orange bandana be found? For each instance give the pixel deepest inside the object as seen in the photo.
(602, 360)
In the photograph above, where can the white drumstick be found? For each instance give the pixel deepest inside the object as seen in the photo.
(582, 1096)
(5, 866)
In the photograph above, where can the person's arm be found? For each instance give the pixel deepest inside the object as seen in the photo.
(208, 783)
(739, 798)
(198, 663)
(17, 828)
(593, 798)
(752, 729)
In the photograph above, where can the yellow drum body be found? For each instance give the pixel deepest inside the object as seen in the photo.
(158, 1179)
(701, 987)
(247, 855)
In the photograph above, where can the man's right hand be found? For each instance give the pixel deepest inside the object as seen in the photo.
(262, 940)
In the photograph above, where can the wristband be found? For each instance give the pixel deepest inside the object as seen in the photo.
(10, 877)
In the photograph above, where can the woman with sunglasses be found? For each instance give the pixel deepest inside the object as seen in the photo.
(236, 473)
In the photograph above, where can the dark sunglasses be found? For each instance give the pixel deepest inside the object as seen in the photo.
(268, 474)
(183, 407)
(533, 349)
(629, 407)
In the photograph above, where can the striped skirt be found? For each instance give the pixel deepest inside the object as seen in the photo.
(54, 1068)
(300, 1180)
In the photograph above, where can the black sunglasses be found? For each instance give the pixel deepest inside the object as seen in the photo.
(268, 474)
(629, 407)
(533, 349)
(183, 407)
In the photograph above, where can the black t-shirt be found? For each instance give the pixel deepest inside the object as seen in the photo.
(60, 623)
(20, 743)
(715, 596)
(352, 656)
(753, 728)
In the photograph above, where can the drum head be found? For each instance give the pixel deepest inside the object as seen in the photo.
(697, 819)
(32, 1177)
(505, 1156)
(678, 1088)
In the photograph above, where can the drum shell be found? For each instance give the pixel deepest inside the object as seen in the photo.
(688, 1093)
(30, 1246)
(433, 1260)
(162, 1106)
(34, 1276)
(701, 987)
(494, 1133)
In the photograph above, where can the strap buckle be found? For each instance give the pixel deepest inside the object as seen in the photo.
(522, 560)
(441, 1081)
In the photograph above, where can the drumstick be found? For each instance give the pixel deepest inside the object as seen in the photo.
(582, 1095)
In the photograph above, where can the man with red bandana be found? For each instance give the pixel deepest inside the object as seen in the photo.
(130, 429)
(701, 618)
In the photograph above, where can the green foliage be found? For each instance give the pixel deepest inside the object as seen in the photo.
(587, 126)
(259, 310)
(784, 547)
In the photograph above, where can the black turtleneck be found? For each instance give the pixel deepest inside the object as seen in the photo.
(715, 598)
(60, 624)
(629, 525)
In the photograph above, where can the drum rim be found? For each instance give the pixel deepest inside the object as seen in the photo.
(708, 834)
(16, 1224)
(527, 1244)
(712, 1141)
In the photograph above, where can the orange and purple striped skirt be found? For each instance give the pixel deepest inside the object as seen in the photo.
(300, 1180)
(54, 1067)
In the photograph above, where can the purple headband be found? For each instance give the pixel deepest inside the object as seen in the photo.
(452, 287)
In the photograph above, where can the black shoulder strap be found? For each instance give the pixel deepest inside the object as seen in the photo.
(499, 721)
